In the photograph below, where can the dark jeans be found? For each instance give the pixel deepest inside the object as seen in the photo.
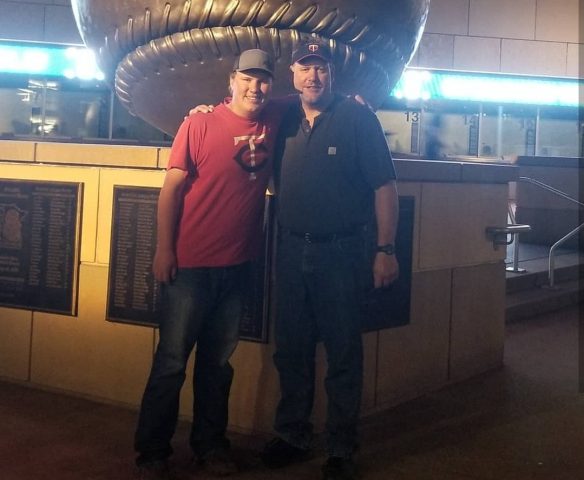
(318, 290)
(201, 306)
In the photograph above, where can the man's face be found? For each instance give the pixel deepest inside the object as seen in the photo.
(250, 91)
(313, 79)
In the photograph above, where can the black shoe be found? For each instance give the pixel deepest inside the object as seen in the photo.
(278, 453)
(155, 470)
(338, 468)
(218, 462)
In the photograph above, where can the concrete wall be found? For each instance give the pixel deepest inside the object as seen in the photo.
(38, 21)
(456, 327)
(536, 37)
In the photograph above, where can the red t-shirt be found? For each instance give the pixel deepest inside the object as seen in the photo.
(228, 162)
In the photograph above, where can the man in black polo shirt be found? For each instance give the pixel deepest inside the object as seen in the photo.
(335, 181)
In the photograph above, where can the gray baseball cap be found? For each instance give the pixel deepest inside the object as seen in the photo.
(254, 59)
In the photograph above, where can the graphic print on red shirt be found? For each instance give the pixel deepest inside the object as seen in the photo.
(228, 162)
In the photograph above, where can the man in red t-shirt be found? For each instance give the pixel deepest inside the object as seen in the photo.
(209, 227)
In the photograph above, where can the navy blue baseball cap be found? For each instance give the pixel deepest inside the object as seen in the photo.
(312, 48)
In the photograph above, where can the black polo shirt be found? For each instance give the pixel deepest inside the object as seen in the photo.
(327, 175)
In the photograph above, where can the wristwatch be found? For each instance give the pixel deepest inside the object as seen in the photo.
(388, 249)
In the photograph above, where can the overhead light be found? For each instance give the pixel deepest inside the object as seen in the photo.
(419, 84)
(49, 60)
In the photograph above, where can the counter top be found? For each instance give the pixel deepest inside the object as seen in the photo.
(124, 156)
(454, 172)
(556, 162)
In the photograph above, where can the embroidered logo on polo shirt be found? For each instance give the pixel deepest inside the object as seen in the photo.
(332, 150)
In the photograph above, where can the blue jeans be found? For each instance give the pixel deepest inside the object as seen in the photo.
(201, 306)
(317, 297)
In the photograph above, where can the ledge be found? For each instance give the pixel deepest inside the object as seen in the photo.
(454, 172)
(123, 156)
(556, 162)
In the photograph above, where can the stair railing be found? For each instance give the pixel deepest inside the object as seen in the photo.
(515, 268)
(565, 238)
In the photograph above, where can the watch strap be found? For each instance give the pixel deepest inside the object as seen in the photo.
(388, 249)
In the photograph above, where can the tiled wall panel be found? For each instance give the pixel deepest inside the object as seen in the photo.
(24, 21)
(117, 156)
(38, 20)
(60, 25)
(88, 354)
(502, 18)
(17, 151)
(533, 37)
(477, 54)
(452, 231)
(534, 58)
(163, 157)
(16, 328)
(436, 51)
(575, 61)
(558, 21)
(478, 320)
(448, 16)
(421, 362)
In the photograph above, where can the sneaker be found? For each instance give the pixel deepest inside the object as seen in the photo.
(155, 470)
(218, 462)
(278, 453)
(339, 468)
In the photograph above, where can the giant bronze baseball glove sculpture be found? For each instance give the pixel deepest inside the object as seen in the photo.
(168, 55)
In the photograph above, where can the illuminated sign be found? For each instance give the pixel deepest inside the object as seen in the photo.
(416, 84)
(57, 61)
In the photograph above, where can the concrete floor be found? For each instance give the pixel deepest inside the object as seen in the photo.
(522, 422)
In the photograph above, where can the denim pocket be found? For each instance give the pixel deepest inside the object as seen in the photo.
(357, 250)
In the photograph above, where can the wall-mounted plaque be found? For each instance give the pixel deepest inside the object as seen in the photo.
(390, 307)
(256, 311)
(39, 245)
(134, 295)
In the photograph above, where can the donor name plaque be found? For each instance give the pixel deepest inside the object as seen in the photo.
(39, 245)
(134, 296)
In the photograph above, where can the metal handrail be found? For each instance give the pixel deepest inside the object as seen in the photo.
(515, 268)
(554, 247)
(551, 189)
(552, 260)
(499, 234)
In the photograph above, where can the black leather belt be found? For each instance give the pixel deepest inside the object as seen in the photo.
(321, 238)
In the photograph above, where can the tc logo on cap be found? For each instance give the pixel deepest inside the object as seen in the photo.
(311, 48)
